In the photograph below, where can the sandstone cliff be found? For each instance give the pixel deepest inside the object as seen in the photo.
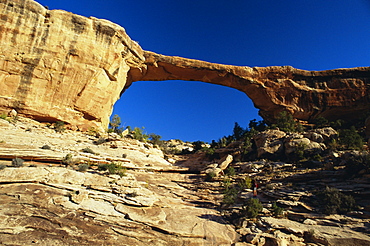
(55, 65)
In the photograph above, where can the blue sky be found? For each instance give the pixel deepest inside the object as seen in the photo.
(306, 34)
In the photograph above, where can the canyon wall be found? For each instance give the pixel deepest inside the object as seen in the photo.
(58, 66)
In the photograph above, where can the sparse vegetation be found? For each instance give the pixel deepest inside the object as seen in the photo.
(114, 125)
(68, 160)
(230, 171)
(88, 150)
(83, 167)
(100, 141)
(45, 147)
(113, 168)
(285, 122)
(17, 162)
(2, 166)
(59, 126)
(138, 134)
(276, 210)
(332, 201)
(210, 176)
(252, 208)
(3, 116)
(350, 139)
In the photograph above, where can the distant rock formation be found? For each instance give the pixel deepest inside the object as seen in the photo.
(59, 66)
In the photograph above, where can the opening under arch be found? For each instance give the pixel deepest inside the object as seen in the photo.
(186, 110)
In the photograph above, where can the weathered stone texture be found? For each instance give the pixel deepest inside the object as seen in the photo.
(55, 65)
(306, 94)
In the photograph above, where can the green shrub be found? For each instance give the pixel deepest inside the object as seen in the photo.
(17, 162)
(113, 168)
(138, 134)
(88, 150)
(68, 160)
(45, 147)
(198, 145)
(251, 208)
(276, 210)
(230, 171)
(245, 183)
(83, 167)
(358, 163)
(155, 139)
(100, 141)
(114, 124)
(230, 195)
(59, 126)
(350, 139)
(285, 122)
(210, 176)
(2, 166)
(332, 201)
(3, 116)
(320, 122)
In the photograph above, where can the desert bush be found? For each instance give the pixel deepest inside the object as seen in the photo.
(88, 150)
(100, 141)
(138, 134)
(45, 147)
(83, 167)
(357, 163)
(59, 126)
(299, 153)
(245, 183)
(3, 116)
(113, 168)
(230, 171)
(350, 139)
(276, 210)
(114, 124)
(68, 160)
(17, 162)
(285, 122)
(2, 166)
(93, 132)
(230, 195)
(332, 201)
(155, 139)
(210, 176)
(320, 122)
(251, 208)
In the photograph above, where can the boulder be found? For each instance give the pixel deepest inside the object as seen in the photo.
(269, 143)
(225, 162)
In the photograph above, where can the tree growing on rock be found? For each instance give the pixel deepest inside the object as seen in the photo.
(115, 124)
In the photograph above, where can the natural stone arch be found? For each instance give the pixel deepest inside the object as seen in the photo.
(73, 69)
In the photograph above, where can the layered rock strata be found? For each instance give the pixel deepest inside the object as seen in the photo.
(306, 94)
(55, 65)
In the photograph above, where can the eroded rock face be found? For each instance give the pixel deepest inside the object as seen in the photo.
(55, 65)
(306, 94)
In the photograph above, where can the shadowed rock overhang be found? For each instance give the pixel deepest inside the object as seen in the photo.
(56, 65)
